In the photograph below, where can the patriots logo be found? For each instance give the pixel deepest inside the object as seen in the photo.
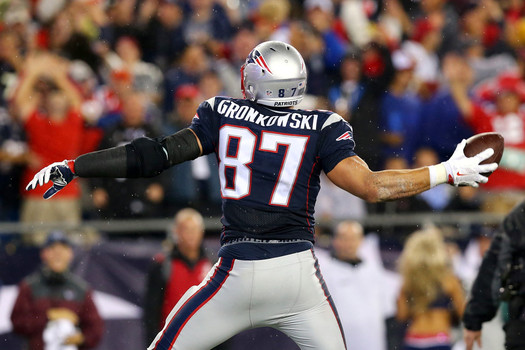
(258, 59)
(345, 136)
(57, 177)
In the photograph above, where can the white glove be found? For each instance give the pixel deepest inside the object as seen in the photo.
(464, 171)
(60, 173)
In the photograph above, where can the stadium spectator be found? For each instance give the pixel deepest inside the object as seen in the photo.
(120, 20)
(175, 271)
(439, 197)
(194, 62)
(126, 198)
(465, 200)
(47, 104)
(11, 60)
(311, 45)
(194, 183)
(146, 78)
(271, 19)
(163, 39)
(431, 296)
(422, 49)
(119, 84)
(441, 124)
(444, 18)
(356, 23)
(207, 23)
(400, 111)
(345, 96)
(228, 69)
(487, 67)
(503, 115)
(358, 284)
(211, 85)
(66, 35)
(86, 81)
(376, 74)
(320, 15)
(54, 309)
(14, 155)
(332, 205)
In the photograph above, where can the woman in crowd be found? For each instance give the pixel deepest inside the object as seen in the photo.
(431, 297)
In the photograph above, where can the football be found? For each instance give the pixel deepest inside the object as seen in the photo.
(480, 142)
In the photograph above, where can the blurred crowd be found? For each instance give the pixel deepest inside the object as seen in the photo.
(413, 77)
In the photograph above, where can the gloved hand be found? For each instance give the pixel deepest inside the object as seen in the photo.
(464, 171)
(60, 173)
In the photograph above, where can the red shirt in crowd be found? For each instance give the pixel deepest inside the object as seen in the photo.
(52, 141)
(512, 128)
(183, 276)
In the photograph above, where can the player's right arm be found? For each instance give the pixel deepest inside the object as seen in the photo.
(353, 175)
(143, 157)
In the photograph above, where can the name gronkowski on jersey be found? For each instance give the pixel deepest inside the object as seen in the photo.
(269, 164)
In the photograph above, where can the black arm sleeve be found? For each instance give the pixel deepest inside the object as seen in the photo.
(143, 157)
(181, 146)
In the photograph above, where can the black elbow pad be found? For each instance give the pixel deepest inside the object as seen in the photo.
(145, 158)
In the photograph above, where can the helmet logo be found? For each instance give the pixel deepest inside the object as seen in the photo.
(258, 59)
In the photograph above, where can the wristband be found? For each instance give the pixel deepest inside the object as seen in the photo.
(437, 174)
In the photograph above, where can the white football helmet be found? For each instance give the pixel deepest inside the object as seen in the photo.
(274, 74)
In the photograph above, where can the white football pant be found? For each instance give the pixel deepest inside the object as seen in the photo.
(287, 293)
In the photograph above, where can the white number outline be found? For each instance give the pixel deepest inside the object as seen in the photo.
(270, 142)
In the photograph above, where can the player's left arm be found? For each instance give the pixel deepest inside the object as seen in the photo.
(143, 157)
(353, 175)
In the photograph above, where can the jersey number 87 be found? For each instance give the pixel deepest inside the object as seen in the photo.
(238, 162)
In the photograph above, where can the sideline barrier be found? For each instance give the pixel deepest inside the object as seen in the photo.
(130, 226)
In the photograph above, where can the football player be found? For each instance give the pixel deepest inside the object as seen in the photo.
(270, 157)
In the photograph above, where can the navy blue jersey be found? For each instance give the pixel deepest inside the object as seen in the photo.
(269, 164)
